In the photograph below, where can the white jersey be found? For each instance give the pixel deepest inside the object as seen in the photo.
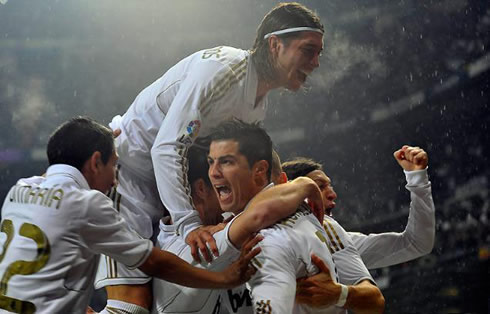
(173, 298)
(391, 248)
(350, 270)
(196, 94)
(286, 255)
(52, 231)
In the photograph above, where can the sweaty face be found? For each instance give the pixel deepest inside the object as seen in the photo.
(231, 176)
(325, 184)
(296, 60)
(106, 176)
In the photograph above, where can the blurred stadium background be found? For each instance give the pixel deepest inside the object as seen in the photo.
(393, 73)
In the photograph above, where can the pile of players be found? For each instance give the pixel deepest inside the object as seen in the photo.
(158, 241)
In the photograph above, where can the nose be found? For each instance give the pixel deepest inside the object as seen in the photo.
(315, 61)
(214, 171)
(330, 195)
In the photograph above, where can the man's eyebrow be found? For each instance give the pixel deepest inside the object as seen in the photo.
(220, 158)
(311, 45)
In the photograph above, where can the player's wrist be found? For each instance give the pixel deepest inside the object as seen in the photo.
(344, 292)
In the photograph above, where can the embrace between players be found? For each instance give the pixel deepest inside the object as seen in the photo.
(164, 196)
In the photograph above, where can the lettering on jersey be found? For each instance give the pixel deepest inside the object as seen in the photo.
(237, 301)
(212, 52)
(217, 306)
(22, 267)
(302, 211)
(263, 307)
(26, 194)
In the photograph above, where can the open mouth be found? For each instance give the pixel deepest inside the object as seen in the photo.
(224, 192)
(302, 76)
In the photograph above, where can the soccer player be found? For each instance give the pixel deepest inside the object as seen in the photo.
(239, 158)
(54, 227)
(384, 249)
(197, 93)
(390, 248)
(268, 207)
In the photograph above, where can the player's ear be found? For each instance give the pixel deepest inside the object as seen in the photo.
(199, 189)
(260, 171)
(283, 178)
(274, 43)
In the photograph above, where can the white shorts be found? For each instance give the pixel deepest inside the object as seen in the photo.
(138, 202)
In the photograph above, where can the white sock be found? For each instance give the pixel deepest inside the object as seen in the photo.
(120, 307)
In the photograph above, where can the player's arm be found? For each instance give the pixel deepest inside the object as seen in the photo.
(321, 291)
(391, 248)
(271, 205)
(187, 115)
(104, 231)
(169, 267)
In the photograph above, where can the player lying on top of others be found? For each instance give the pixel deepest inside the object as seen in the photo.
(194, 95)
(265, 209)
(383, 249)
(56, 226)
(240, 157)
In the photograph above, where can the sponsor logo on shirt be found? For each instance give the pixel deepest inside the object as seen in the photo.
(191, 132)
(193, 128)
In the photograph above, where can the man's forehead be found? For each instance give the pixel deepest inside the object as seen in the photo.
(223, 147)
(318, 175)
(311, 39)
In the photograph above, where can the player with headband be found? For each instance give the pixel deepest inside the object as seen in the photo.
(194, 95)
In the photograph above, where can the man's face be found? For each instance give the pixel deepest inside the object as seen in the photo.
(296, 60)
(325, 184)
(231, 176)
(106, 176)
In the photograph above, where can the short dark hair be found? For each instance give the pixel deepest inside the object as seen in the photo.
(300, 167)
(198, 165)
(282, 16)
(253, 141)
(73, 142)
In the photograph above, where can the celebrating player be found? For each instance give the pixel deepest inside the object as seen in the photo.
(197, 93)
(239, 158)
(54, 228)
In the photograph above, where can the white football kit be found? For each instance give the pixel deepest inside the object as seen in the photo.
(391, 248)
(286, 256)
(192, 97)
(52, 231)
(173, 298)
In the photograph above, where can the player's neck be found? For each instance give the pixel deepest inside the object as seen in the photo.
(263, 87)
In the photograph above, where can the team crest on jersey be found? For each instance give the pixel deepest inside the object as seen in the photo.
(193, 128)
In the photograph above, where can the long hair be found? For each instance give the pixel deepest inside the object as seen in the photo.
(282, 16)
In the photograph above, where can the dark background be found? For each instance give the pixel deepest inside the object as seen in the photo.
(393, 73)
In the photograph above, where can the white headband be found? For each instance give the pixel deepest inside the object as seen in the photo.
(292, 30)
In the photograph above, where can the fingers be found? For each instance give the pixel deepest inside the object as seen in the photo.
(194, 252)
(116, 132)
(204, 250)
(251, 242)
(320, 264)
(411, 157)
(211, 242)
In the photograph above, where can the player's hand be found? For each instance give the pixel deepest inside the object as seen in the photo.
(199, 240)
(90, 310)
(315, 201)
(116, 133)
(242, 270)
(411, 158)
(319, 290)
